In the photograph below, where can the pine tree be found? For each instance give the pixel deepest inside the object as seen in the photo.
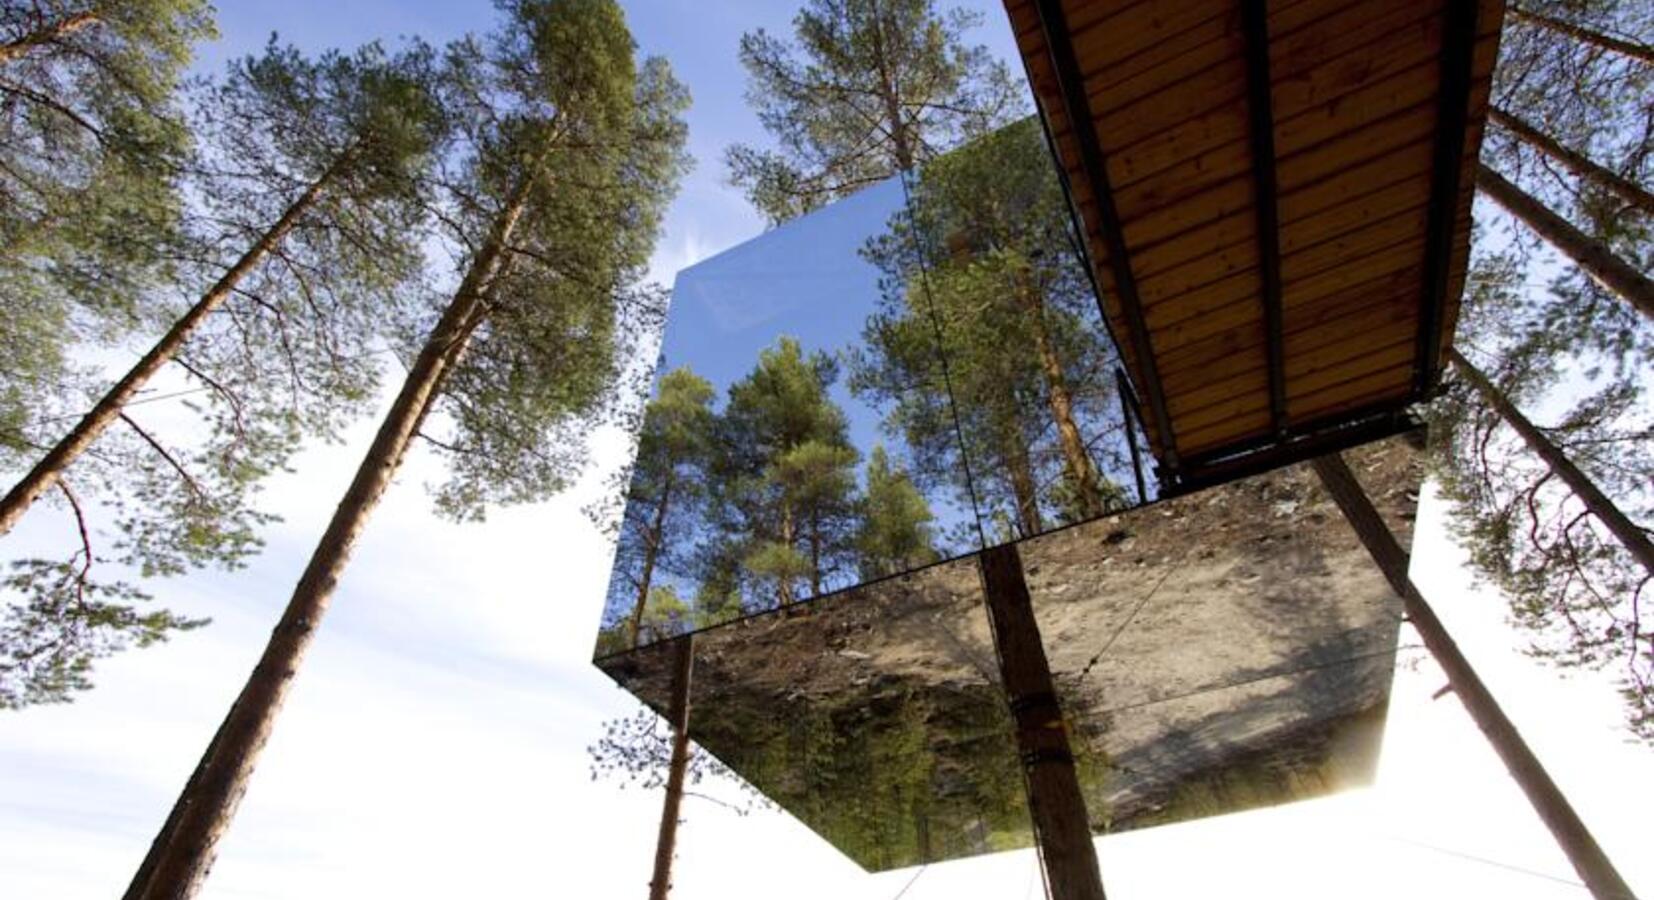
(895, 533)
(666, 488)
(569, 153)
(984, 264)
(785, 475)
(1542, 436)
(869, 88)
(91, 148)
(323, 213)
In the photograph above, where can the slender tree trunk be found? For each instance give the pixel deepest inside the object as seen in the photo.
(815, 553)
(1640, 52)
(1597, 260)
(651, 552)
(203, 815)
(784, 590)
(69, 448)
(1024, 489)
(1578, 163)
(683, 671)
(1633, 538)
(47, 33)
(1082, 472)
(890, 97)
(1593, 865)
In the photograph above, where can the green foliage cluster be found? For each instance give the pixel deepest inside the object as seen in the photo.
(757, 505)
(1565, 349)
(865, 90)
(292, 204)
(984, 264)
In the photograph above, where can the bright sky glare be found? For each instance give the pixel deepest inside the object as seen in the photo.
(435, 745)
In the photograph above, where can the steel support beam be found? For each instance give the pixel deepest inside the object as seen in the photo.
(1261, 113)
(1452, 126)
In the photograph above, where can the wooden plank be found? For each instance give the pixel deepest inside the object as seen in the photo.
(1208, 311)
(1054, 799)
(1215, 217)
(1339, 359)
(1378, 305)
(1324, 209)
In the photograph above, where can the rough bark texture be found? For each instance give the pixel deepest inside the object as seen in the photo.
(1641, 52)
(1597, 260)
(1081, 470)
(1633, 538)
(683, 663)
(1054, 800)
(48, 33)
(1578, 163)
(69, 448)
(203, 814)
(1587, 857)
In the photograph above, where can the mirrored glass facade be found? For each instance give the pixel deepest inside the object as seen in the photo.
(1220, 651)
(897, 379)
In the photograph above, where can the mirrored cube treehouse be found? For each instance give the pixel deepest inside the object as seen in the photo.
(1001, 467)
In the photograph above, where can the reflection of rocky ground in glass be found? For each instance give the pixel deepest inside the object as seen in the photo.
(875, 716)
(1220, 651)
(1224, 650)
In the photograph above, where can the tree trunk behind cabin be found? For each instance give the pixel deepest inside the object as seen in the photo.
(203, 814)
(1593, 865)
(1640, 52)
(666, 843)
(1630, 535)
(815, 553)
(1576, 162)
(651, 552)
(1082, 472)
(49, 33)
(1024, 488)
(70, 447)
(784, 589)
(1591, 255)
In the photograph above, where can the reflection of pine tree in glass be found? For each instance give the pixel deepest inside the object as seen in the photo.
(785, 473)
(1024, 351)
(667, 489)
(895, 533)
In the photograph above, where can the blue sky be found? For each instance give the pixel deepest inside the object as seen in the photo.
(435, 744)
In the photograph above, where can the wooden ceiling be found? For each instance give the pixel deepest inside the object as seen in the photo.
(1276, 199)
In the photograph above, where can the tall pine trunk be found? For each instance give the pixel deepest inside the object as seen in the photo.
(651, 553)
(1634, 539)
(183, 857)
(47, 33)
(1591, 255)
(70, 447)
(1640, 52)
(1082, 472)
(1577, 162)
(666, 842)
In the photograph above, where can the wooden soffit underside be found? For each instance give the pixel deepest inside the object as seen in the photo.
(1276, 199)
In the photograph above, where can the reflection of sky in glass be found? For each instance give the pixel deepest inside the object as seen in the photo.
(989, 278)
(805, 279)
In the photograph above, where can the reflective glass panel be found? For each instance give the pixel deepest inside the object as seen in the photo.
(874, 715)
(1226, 649)
(768, 468)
